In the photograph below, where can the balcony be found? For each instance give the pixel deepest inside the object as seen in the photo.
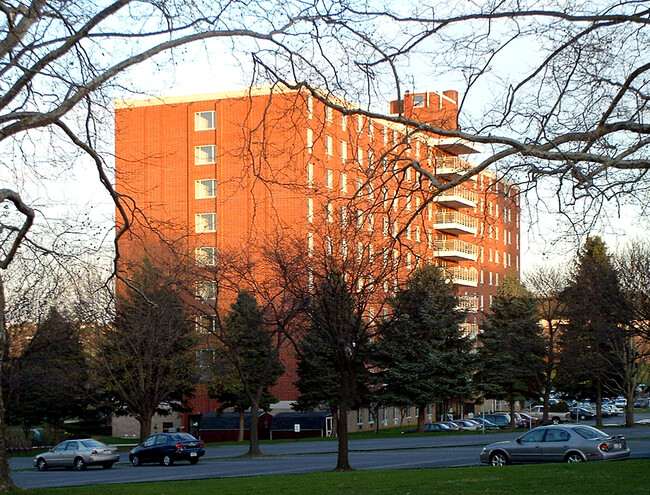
(453, 222)
(451, 167)
(468, 303)
(463, 276)
(469, 330)
(458, 197)
(455, 249)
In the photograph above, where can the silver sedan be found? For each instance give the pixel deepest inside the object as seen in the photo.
(557, 443)
(78, 454)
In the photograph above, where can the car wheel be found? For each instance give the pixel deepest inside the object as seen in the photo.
(135, 460)
(79, 464)
(574, 457)
(41, 464)
(194, 461)
(107, 465)
(582, 417)
(498, 459)
(166, 461)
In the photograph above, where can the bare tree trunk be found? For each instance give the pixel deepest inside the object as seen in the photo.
(145, 426)
(242, 425)
(343, 461)
(5, 479)
(421, 413)
(513, 423)
(254, 449)
(599, 403)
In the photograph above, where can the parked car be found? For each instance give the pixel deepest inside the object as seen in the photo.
(530, 421)
(557, 443)
(167, 448)
(579, 413)
(78, 454)
(429, 428)
(642, 403)
(621, 401)
(501, 420)
(487, 425)
(538, 413)
(469, 425)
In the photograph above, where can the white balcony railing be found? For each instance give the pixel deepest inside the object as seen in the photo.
(451, 166)
(469, 330)
(458, 197)
(467, 276)
(468, 303)
(455, 249)
(455, 222)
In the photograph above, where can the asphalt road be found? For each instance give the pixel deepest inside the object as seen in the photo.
(300, 457)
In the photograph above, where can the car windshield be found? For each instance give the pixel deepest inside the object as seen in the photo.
(92, 443)
(589, 432)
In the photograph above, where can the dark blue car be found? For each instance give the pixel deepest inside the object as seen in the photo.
(167, 448)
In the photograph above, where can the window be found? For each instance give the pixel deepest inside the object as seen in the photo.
(204, 121)
(360, 156)
(330, 213)
(205, 256)
(417, 233)
(371, 222)
(205, 154)
(328, 145)
(407, 206)
(418, 101)
(360, 122)
(310, 174)
(310, 106)
(310, 210)
(207, 290)
(206, 324)
(344, 151)
(344, 121)
(328, 114)
(205, 222)
(344, 182)
(344, 215)
(310, 242)
(385, 228)
(205, 188)
(359, 250)
(329, 178)
(310, 141)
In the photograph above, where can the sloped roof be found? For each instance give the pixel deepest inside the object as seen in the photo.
(225, 421)
(307, 420)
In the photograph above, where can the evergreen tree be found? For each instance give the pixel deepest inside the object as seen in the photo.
(333, 357)
(598, 315)
(53, 374)
(147, 357)
(421, 352)
(511, 346)
(254, 356)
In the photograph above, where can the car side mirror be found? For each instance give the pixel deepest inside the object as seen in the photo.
(518, 440)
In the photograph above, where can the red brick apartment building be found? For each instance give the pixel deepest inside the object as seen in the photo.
(219, 172)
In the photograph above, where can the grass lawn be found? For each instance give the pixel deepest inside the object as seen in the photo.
(627, 477)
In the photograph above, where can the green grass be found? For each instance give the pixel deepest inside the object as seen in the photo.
(546, 479)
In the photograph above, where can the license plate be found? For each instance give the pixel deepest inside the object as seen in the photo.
(617, 446)
(192, 454)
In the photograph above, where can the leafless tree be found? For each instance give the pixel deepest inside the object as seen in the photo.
(546, 284)
(633, 265)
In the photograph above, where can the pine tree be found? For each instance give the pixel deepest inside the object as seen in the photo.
(53, 374)
(511, 346)
(334, 355)
(597, 315)
(423, 356)
(254, 356)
